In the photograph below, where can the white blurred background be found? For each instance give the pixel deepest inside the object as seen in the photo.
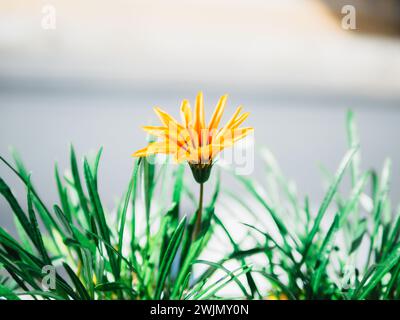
(94, 78)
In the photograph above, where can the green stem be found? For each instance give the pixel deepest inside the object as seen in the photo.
(197, 227)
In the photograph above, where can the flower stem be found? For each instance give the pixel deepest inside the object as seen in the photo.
(197, 226)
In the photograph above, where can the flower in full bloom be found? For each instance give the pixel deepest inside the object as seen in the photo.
(193, 140)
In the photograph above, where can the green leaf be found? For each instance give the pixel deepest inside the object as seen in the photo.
(354, 198)
(113, 287)
(36, 234)
(82, 240)
(192, 253)
(208, 292)
(353, 142)
(79, 189)
(276, 282)
(132, 186)
(62, 193)
(323, 255)
(7, 293)
(168, 258)
(100, 217)
(381, 270)
(96, 165)
(249, 184)
(23, 174)
(16, 208)
(327, 200)
(176, 195)
(236, 248)
(359, 236)
(148, 187)
(221, 267)
(80, 288)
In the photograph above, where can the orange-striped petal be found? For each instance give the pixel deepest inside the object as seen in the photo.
(240, 120)
(182, 155)
(205, 154)
(233, 135)
(194, 137)
(199, 119)
(166, 119)
(153, 148)
(217, 115)
(186, 113)
(156, 131)
(230, 122)
(193, 140)
(140, 153)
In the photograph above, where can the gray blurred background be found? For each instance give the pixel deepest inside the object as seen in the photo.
(94, 78)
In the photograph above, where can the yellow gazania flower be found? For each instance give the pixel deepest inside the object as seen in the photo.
(193, 140)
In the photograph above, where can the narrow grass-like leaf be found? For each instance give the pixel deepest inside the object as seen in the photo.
(354, 198)
(276, 282)
(168, 258)
(132, 186)
(208, 292)
(80, 288)
(327, 200)
(236, 248)
(62, 193)
(353, 142)
(323, 255)
(16, 208)
(186, 264)
(221, 267)
(78, 188)
(7, 293)
(96, 165)
(24, 175)
(252, 189)
(361, 231)
(381, 270)
(148, 187)
(37, 237)
(100, 217)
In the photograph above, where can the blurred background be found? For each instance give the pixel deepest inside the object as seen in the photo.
(89, 72)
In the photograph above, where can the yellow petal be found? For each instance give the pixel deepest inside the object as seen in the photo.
(204, 135)
(193, 141)
(181, 155)
(156, 131)
(234, 135)
(208, 153)
(241, 133)
(229, 123)
(166, 119)
(192, 156)
(172, 134)
(161, 147)
(184, 136)
(180, 137)
(240, 120)
(215, 149)
(212, 134)
(199, 119)
(140, 153)
(194, 137)
(156, 147)
(234, 117)
(186, 113)
(219, 110)
(175, 146)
